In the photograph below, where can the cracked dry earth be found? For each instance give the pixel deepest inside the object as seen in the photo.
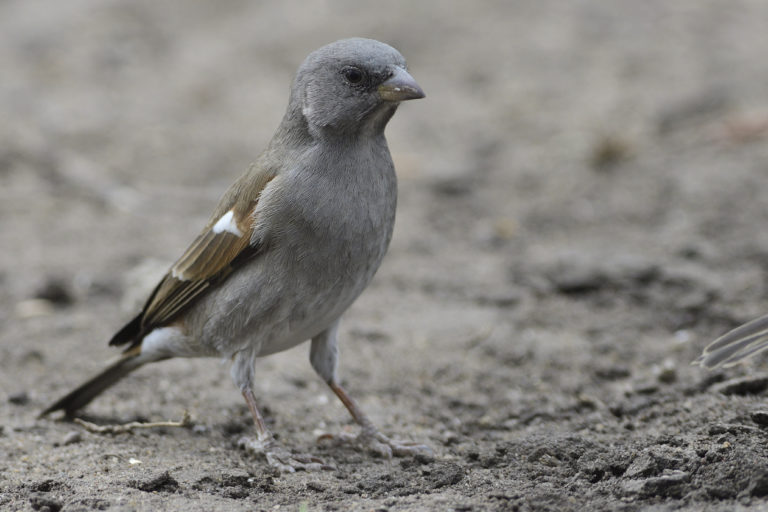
(582, 200)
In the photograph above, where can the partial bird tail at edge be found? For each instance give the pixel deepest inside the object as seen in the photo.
(736, 345)
(83, 394)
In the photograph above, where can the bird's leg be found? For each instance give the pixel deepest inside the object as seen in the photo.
(276, 455)
(265, 436)
(369, 435)
(357, 414)
(324, 357)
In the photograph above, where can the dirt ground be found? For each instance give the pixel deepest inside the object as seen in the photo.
(582, 197)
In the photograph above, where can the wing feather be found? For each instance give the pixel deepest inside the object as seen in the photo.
(211, 257)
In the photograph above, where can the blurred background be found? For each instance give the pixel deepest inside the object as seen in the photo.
(582, 197)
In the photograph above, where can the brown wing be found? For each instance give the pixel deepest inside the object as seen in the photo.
(207, 261)
(214, 254)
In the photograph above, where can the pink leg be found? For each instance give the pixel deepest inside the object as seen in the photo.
(370, 435)
(277, 456)
(261, 428)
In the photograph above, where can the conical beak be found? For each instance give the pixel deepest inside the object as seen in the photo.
(400, 87)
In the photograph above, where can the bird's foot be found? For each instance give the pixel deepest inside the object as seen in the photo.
(281, 458)
(372, 440)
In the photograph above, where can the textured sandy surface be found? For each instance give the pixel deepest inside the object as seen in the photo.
(583, 198)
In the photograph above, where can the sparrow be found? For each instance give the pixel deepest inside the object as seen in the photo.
(290, 246)
(736, 345)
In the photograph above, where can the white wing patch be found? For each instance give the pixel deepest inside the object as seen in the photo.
(227, 223)
(178, 275)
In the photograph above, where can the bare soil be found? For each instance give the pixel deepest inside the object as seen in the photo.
(583, 194)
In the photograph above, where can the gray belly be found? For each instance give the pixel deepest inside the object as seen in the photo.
(286, 297)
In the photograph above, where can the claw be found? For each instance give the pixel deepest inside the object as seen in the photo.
(282, 459)
(370, 437)
(379, 444)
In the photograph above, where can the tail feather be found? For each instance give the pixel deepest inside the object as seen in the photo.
(736, 345)
(130, 333)
(90, 389)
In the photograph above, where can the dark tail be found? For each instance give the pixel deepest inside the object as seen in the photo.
(89, 390)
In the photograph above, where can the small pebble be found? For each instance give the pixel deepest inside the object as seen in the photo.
(646, 388)
(608, 152)
(315, 486)
(760, 417)
(450, 437)
(41, 502)
(56, 291)
(667, 372)
(19, 398)
(32, 308)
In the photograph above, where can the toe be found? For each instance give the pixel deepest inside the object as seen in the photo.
(380, 449)
(282, 459)
(277, 462)
(378, 444)
(412, 450)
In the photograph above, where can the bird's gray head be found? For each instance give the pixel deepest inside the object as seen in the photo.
(351, 86)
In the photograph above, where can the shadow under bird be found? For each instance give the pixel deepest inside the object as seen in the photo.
(290, 246)
(736, 345)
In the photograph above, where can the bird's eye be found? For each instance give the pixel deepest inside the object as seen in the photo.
(353, 75)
